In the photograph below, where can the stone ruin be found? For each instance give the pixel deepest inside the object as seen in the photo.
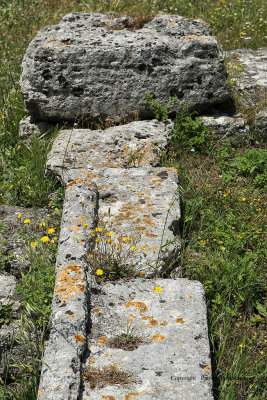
(93, 68)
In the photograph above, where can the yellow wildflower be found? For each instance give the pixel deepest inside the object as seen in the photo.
(158, 289)
(51, 230)
(33, 244)
(45, 239)
(27, 221)
(110, 234)
(19, 215)
(42, 224)
(90, 255)
(99, 272)
(98, 229)
(132, 248)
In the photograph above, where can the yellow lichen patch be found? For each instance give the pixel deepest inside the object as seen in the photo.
(96, 309)
(75, 181)
(180, 321)
(108, 397)
(40, 393)
(190, 296)
(68, 286)
(79, 338)
(74, 228)
(150, 234)
(151, 321)
(102, 339)
(180, 342)
(159, 180)
(114, 367)
(207, 368)
(158, 338)
(139, 305)
(91, 361)
(129, 396)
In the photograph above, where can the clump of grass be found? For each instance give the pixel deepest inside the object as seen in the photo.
(108, 376)
(22, 369)
(113, 255)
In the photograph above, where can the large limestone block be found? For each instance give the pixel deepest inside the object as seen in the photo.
(139, 143)
(148, 345)
(89, 67)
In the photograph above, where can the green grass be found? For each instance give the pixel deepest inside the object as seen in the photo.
(222, 194)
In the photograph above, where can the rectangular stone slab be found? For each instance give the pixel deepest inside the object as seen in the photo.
(144, 204)
(139, 143)
(60, 376)
(166, 353)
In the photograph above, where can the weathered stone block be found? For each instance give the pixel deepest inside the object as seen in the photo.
(155, 343)
(144, 204)
(88, 67)
(139, 143)
(60, 377)
(225, 127)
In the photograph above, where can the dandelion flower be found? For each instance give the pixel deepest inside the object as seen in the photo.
(112, 220)
(42, 223)
(97, 240)
(45, 239)
(241, 345)
(33, 244)
(99, 272)
(51, 230)
(19, 215)
(98, 229)
(27, 221)
(90, 255)
(110, 234)
(85, 225)
(132, 248)
(158, 289)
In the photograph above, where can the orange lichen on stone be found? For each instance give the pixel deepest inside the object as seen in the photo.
(91, 361)
(158, 338)
(74, 228)
(139, 305)
(190, 297)
(207, 368)
(96, 309)
(159, 180)
(163, 323)
(40, 393)
(129, 395)
(79, 338)
(75, 181)
(108, 397)
(113, 367)
(180, 321)
(151, 321)
(102, 339)
(68, 286)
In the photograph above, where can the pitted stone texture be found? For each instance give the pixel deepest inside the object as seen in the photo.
(172, 361)
(27, 127)
(252, 84)
(7, 286)
(84, 68)
(60, 378)
(261, 124)
(144, 203)
(225, 127)
(139, 143)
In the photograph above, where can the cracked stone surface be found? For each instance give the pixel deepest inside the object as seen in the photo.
(91, 67)
(165, 350)
(136, 144)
